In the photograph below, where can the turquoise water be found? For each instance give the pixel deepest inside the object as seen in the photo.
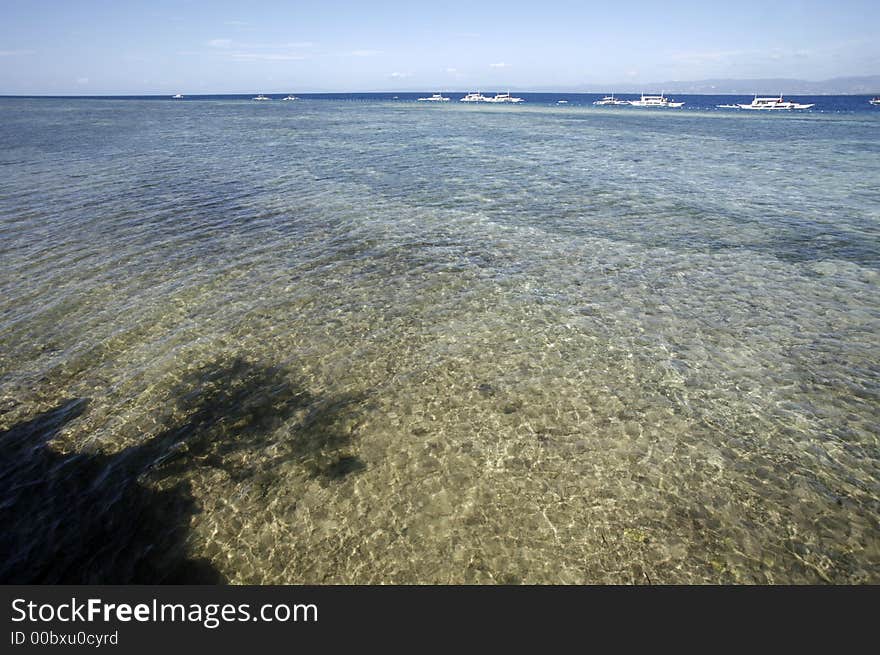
(378, 342)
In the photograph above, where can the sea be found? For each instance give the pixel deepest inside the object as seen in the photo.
(361, 339)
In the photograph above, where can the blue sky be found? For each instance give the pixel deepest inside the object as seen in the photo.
(199, 46)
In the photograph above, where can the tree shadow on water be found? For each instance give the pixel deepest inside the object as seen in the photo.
(123, 518)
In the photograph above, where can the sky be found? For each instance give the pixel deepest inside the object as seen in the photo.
(87, 47)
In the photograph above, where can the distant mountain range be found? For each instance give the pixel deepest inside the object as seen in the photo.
(864, 85)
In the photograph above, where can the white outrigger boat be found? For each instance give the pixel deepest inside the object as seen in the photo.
(261, 97)
(611, 100)
(504, 97)
(475, 97)
(875, 101)
(177, 96)
(655, 101)
(437, 97)
(773, 103)
(290, 97)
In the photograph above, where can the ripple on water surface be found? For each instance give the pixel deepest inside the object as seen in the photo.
(367, 342)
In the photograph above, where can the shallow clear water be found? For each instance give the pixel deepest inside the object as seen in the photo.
(369, 342)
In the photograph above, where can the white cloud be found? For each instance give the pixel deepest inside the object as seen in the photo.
(275, 46)
(467, 35)
(236, 23)
(451, 70)
(237, 51)
(397, 75)
(366, 53)
(16, 53)
(500, 64)
(265, 56)
(82, 80)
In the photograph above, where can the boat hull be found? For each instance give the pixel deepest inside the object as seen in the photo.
(778, 108)
(670, 105)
